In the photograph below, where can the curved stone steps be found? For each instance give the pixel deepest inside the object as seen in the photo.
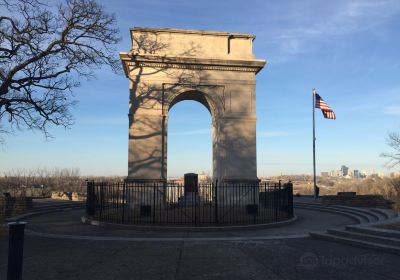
(388, 213)
(363, 234)
(362, 215)
(357, 242)
(374, 231)
(370, 237)
(374, 216)
(57, 207)
(382, 215)
(356, 218)
(355, 214)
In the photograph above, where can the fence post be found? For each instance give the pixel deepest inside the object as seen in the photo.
(275, 196)
(154, 203)
(216, 201)
(15, 250)
(90, 199)
(280, 199)
(103, 206)
(123, 201)
(290, 198)
(256, 191)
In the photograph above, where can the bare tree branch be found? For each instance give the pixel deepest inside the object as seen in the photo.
(44, 52)
(393, 141)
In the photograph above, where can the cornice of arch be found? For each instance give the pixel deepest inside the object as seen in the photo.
(192, 63)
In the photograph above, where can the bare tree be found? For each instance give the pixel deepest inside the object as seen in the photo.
(44, 52)
(395, 191)
(393, 142)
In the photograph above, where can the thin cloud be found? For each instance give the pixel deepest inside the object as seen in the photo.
(392, 110)
(337, 20)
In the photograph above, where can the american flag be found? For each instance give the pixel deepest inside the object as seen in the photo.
(326, 110)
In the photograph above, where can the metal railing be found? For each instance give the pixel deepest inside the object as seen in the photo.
(173, 204)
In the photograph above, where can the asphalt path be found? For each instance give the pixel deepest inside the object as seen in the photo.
(55, 249)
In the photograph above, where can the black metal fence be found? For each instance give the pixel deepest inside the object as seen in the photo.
(205, 205)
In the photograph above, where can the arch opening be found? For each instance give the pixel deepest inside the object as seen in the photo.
(189, 130)
(192, 95)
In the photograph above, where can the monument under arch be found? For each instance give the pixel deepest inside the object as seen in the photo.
(218, 69)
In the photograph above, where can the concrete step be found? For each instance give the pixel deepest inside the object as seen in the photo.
(382, 215)
(308, 199)
(47, 209)
(371, 214)
(307, 203)
(388, 213)
(355, 218)
(379, 214)
(58, 206)
(356, 242)
(58, 202)
(365, 237)
(360, 217)
(375, 216)
(374, 231)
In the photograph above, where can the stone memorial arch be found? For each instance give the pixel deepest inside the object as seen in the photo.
(217, 69)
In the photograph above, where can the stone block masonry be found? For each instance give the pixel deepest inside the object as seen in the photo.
(218, 70)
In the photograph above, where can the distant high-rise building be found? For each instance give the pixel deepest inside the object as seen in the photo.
(356, 174)
(350, 173)
(344, 170)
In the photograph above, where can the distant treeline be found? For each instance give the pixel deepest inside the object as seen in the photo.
(389, 188)
(42, 181)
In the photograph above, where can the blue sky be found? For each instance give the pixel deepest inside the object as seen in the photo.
(348, 50)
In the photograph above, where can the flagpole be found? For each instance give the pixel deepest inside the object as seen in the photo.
(313, 117)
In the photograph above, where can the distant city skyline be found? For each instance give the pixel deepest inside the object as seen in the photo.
(347, 50)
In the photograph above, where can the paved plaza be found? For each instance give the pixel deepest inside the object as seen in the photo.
(57, 246)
